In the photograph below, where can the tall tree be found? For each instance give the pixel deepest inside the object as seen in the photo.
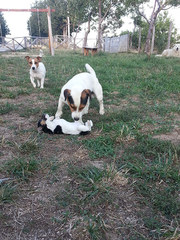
(4, 30)
(78, 11)
(161, 36)
(109, 15)
(162, 29)
(38, 21)
(138, 6)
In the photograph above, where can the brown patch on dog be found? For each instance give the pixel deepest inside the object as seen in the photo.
(67, 93)
(69, 99)
(29, 60)
(36, 61)
(39, 58)
(84, 98)
(42, 122)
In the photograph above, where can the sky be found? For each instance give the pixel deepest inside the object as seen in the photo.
(17, 21)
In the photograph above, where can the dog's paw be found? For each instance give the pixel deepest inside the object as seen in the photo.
(89, 124)
(101, 111)
(58, 115)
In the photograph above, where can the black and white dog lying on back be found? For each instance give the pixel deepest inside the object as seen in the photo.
(53, 125)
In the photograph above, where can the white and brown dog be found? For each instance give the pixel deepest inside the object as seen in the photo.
(37, 70)
(77, 93)
(50, 125)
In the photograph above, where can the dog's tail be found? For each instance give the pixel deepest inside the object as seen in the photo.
(90, 69)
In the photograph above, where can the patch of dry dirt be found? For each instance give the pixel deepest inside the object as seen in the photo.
(174, 135)
(35, 213)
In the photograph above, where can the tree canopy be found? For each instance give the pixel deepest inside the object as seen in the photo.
(77, 10)
(137, 7)
(161, 33)
(4, 30)
(107, 13)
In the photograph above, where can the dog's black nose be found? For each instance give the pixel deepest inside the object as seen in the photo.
(76, 119)
(33, 68)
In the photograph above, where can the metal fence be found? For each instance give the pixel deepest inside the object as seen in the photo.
(117, 44)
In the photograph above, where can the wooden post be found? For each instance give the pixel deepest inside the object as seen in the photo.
(14, 49)
(51, 47)
(25, 42)
(139, 41)
(169, 35)
(68, 26)
(152, 41)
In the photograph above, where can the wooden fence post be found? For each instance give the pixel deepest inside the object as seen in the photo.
(51, 47)
(13, 45)
(25, 42)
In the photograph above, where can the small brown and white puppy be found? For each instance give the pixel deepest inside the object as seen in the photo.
(77, 93)
(37, 70)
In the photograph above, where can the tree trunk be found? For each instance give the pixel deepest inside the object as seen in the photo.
(74, 44)
(169, 35)
(87, 32)
(148, 38)
(131, 38)
(99, 43)
(151, 26)
(139, 41)
(152, 42)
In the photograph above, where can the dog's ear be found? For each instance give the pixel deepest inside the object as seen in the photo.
(88, 92)
(84, 96)
(41, 123)
(67, 93)
(27, 58)
(51, 118)
(177, 49)
(39, 58)
(45, 116)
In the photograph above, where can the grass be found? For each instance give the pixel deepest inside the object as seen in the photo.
(100, 147)
(119, 182)
(7, 107)
(21, 168)
(7, 192)
(92, 185)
